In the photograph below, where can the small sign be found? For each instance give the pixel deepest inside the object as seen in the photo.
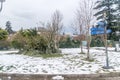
(84, 43)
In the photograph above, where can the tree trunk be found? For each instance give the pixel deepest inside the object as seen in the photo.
(88, 49)
(81, 46)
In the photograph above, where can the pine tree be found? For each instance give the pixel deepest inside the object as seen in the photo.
(8, 27)
(118, 13)
(3, 34)
(107, 6)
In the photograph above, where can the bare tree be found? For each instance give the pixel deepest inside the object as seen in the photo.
(78, 27)
(53, 29)
(84, 18)
(57, 26)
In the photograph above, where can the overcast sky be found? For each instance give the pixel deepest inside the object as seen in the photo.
(27, 13)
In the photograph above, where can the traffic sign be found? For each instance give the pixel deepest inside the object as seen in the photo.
(100, 32)
(97, 29)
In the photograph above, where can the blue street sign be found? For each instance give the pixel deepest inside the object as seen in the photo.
(97, 29)
(100, 32)
(100, 28)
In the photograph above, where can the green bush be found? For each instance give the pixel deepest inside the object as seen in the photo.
(4, 45)
(33, 43)
(69, 43)
(16, 44)
(18, 41)
(38, 43)
(97, 43)
(111, 43)
(29, 41)
(3, 34)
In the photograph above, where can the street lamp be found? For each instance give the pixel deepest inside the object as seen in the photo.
(1, 4)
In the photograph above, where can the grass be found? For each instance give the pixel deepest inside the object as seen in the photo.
(81, 53)
(43, 55)
(51, 55)
(10, 67)
(89, 60)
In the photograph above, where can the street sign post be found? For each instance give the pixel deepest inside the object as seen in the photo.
(102, 29)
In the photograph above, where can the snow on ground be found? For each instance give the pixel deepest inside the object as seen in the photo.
(71, 63)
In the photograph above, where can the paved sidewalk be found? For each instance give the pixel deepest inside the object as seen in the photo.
(103, 76)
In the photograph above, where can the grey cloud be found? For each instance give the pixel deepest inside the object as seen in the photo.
(29, 12)
(24, 15)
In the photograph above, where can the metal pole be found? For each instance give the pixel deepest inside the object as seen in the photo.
(106, 45)
(106, 48)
